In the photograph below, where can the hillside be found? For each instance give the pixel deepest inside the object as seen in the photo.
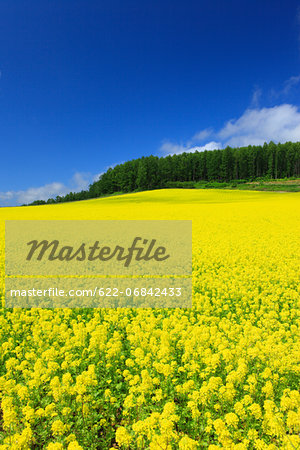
(224, 372)
(230, 167)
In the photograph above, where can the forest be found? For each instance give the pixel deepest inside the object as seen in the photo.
(268, 161)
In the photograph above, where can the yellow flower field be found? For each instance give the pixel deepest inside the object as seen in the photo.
(224, 374)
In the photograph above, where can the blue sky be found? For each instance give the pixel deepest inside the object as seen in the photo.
(88, 84)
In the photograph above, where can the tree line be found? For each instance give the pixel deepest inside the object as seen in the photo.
(152, 172)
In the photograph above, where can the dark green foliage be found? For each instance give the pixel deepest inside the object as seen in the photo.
(234, 165)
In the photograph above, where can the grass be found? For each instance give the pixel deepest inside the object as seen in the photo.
(278, 185)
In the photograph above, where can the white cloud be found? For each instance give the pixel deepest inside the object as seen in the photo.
(290, 83)
(40, 193)
(204, 134)
(170, 148)
(6, 195)
(212, 145)
(97, 176)
(256, 96)
(289, 89)
(78, 182)
(254, 127)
